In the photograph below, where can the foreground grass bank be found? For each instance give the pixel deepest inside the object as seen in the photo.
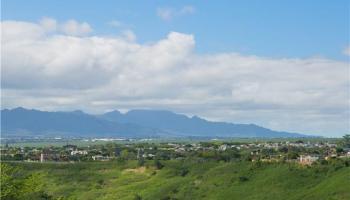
(187, 180)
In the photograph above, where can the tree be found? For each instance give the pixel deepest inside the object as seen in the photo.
(158, 164)
(9, 186)
(243, 178)
(124, 154)
(346, 141)
(141, 162)
(339, 150)
(183, 171)
(292, 155)
(15, 185)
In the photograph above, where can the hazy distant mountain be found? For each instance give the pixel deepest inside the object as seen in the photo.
(178, 124)
(135, 123)
(77, 123)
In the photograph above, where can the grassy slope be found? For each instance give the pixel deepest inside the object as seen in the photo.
(204, 181)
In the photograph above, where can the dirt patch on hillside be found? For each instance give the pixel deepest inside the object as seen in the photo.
(139, 170)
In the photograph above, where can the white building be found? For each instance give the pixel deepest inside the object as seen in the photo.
(223, 147)
(100, 158)
(42, 158)
(83, 152)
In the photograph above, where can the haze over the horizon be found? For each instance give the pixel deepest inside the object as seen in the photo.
(284, 66)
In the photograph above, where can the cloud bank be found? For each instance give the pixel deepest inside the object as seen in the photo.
(58, 66)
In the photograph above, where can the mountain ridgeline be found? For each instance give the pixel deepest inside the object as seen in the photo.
(133, 124)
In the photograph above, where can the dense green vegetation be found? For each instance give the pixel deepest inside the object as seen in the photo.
(176, 179)
(204, 170)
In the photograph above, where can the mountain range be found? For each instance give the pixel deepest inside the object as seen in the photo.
(133, 124)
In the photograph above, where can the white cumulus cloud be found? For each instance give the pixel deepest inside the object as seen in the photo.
(72, 27)
(48, 24)
(129, 35)
(95, 73)
(168, 13)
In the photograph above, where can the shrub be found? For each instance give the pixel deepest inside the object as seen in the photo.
(183, 171)
(137, 197)
(243, 179)
(141, 162)
(158, 164)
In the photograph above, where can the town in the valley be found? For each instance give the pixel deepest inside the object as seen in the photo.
(297, 151)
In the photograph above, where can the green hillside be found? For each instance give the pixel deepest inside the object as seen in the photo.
(190, 180)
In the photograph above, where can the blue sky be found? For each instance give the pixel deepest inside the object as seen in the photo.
(264, 28)
(283, 65)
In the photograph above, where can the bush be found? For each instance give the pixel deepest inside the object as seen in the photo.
(243, 179)
(158, 164)
(166, 198)
(183, 171)
(137, 197)
(141, 162)
(15, 185)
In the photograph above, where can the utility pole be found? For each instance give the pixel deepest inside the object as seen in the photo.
(138, 153)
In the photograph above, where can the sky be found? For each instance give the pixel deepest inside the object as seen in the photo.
(283, 65)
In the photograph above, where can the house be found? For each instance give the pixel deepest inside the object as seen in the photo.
(79, 152)
(255, 152)
(48, 155)
(223, 147)
(307, 159)
(148, 155)
(100, 158)
(331, 155)
(3, 151)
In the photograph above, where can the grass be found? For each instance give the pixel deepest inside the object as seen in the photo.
(191, 180)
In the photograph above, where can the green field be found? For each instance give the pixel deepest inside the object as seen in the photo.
(189, 179)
